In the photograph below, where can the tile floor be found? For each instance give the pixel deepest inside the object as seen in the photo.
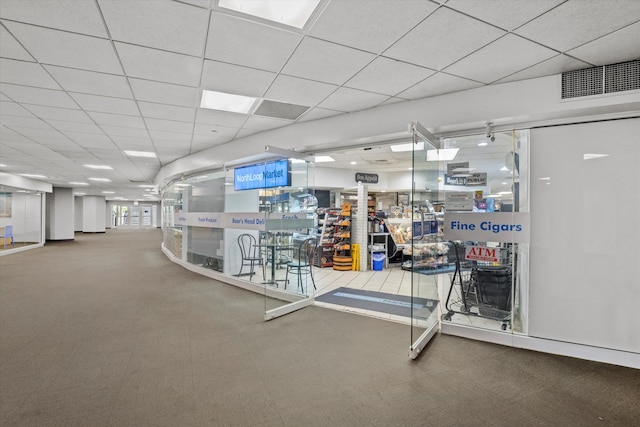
(393, 280)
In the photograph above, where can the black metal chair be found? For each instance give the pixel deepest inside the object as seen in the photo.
(303, 262)
(251, 254)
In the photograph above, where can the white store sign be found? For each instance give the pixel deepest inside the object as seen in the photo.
(503, 227)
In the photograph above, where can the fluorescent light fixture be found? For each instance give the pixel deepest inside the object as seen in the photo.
(100, 179)
(31, 175)
(443, 154)
(139, 153)
(183, 185)
(296, 160)
(353, 163)
(147, 186)
(324, 159)
(105, 167)
(226, 102)
(2, 165)
(589, 156)
(502, 193)
(293, 13)
(545, 178)
(118, 198)
(79, 194)
(410, 146)
(79, 183)
(483, 144)
(108, 192)
(504, 168)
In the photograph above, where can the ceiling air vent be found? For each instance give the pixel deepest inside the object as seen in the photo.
(279, 110)
(380, 161)
(600, 80)
(623, 76)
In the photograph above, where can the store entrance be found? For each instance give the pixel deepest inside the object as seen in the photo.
(134, 216)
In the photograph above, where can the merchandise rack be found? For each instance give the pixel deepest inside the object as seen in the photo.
(480, 288)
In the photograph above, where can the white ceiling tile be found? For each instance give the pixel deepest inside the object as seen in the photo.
(222, 118)
(318, 113)
(13, 109)
(167, 112)
(235, 79)
(202, 129)
(242, 42)
(580, 21)
(443, 38)
(66, 127)
(164, 93)
(78, 16)
(326, 62)
(117, 120)
(54, 113)
(67, 49)
(160, 24)
(506, 14)
(106, 104)
(120, 138)
(169, 125)
(90, 82)
(45, 135)
(204, 144)
(24, 122)
(438, 84)
(153, 64)
(345, 99)
(299, 91)
(10, 48)
(375, 76)
(556, 65)
(265, 123)
(611, 48)
(348, 23)
(25, 73)
(93, 140)
(37, 96)
(487, 64)
(177, 138)
(3, 97)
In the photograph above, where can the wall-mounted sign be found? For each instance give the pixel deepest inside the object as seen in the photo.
(507, 227)
(481, 253)
(367, 178)
(245, 220)
(458, 200)
(263, 175)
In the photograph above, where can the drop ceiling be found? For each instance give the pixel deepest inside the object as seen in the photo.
(81, 81)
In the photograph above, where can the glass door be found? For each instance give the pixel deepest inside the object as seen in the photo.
(426, 249)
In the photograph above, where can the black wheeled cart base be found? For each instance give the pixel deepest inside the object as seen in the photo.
(480, 290)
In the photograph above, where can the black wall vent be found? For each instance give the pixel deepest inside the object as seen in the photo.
(600, 80)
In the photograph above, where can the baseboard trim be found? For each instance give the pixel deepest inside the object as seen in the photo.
(579, 351)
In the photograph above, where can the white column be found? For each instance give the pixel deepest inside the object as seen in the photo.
(93, 218)
(60, 214)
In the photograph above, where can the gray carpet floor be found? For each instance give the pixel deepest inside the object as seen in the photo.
(105, 331)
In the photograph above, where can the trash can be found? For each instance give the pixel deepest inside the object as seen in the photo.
(378, 260)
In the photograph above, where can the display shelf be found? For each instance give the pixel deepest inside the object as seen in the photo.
(342, 259)
(327, 220)
(425, 256)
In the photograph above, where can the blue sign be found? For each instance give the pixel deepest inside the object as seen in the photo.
(263, 175)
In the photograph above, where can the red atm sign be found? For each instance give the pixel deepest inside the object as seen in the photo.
(481, 253)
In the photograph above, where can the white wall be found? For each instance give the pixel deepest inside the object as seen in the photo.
(584, 279)
(93, 214)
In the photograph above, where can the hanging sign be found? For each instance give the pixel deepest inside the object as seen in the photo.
(367, 178)
(458, 200)
(477, 179)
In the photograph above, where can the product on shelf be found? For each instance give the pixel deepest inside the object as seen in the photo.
(342, 259)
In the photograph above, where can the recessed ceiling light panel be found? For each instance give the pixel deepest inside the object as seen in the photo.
(105, 167)
(140, 153)
(444, 154)
(398, 148)
(226, 102)
(288, 12)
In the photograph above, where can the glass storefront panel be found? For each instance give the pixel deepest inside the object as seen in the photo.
(485, 189)
(20, 219)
